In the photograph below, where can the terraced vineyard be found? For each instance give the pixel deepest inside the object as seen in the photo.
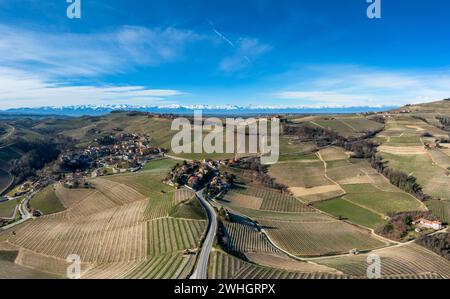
(347, 126)
(274, 201)
(181, 195)
(167, 266)
(440, 209)
(318, 238)
(300, 174)
(8, 269)
(224, 266)
(411, 260)
(107, 227)
(400, 134)
(245, 238)
(175, 266)
(70, 197)
(113, 235)
(174, 235)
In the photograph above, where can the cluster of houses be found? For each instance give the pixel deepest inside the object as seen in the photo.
(126, 152)
(193, 174)
(219, 184)
(199, 174)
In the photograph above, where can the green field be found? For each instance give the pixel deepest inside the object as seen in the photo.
(147, 183)
(429, 167)
(160, 165)
(189, 210)
(433, 179)
(47, 202)
(371, 198)
(341, 208)
(7, 208)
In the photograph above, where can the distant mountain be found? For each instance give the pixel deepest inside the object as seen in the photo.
(188, 109)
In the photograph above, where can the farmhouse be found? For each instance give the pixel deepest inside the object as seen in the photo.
(437, 225)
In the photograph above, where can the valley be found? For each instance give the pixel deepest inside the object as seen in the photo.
(345, 187)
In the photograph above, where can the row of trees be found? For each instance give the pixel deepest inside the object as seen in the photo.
(258, 172)
(400, 224)
(445, 122)
(439, 243)
(400, 179)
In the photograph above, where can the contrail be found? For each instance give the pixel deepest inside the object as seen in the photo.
(223, 37)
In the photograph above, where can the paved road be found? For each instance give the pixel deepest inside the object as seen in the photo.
(201, 269)
(23, 212)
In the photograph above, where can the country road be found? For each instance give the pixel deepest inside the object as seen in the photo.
(201, 269)
(23, 212)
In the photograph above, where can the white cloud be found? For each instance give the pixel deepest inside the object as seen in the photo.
(22, 89)
(91, 54)
(362, 86)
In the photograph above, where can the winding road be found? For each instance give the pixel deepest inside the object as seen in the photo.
(201, 268)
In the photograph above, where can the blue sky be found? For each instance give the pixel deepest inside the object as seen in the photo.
(252, 52)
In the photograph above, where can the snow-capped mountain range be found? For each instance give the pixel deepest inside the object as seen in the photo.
(189, 109)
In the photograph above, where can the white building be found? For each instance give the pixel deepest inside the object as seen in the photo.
(437, 225)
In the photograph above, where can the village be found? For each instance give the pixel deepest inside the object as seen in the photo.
(128, 152)
(196, 175)
(108, 155)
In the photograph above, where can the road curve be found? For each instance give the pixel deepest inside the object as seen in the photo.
(201, 268)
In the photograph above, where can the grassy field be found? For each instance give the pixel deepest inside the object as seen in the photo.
(160, 165)
(381, 202)
(344, 209)
(47, 202)
(7, 208)
(190, 209)
(146, 183)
